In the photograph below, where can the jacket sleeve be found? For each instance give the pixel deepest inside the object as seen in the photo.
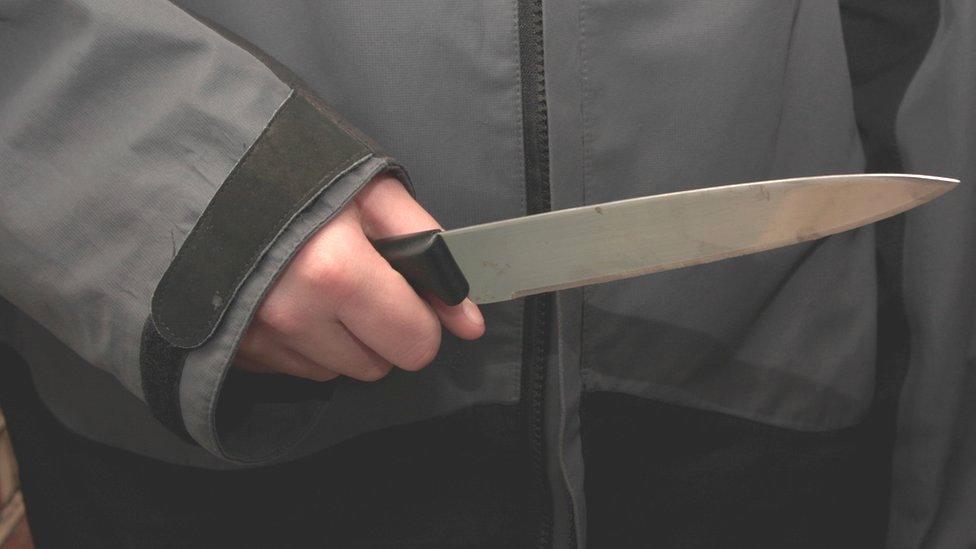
(934, 469)
(154, 177)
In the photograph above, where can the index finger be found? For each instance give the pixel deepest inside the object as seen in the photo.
(387, 209)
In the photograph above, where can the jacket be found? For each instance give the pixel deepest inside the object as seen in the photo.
(160, 162)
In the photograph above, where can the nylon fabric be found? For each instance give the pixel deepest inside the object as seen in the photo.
(934, 471)
(118, 159)
(460, 139)
(719, 94)
(270, 429)
(297, 157)
(118, 122)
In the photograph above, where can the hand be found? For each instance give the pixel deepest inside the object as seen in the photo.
(340, 309)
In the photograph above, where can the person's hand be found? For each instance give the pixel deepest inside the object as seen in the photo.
(340, 309)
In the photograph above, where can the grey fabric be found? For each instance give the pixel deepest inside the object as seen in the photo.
(566, 468)
(299, 156)
(564, 88)
(302, 150)
(934, 491)
(361, 90)
(66, 382)
(448, 110)
(92, 402)
(206, 367)
(717, 94)
(643, 97)
(118, 121)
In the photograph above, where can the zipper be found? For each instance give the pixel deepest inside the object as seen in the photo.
(537, 320)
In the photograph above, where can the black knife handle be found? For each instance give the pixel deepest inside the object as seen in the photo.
(426, 262)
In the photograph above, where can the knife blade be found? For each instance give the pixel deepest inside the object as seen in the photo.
(597, 243)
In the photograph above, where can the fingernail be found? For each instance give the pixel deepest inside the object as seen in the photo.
(471, 311)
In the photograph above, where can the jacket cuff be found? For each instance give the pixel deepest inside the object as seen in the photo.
(296, 176)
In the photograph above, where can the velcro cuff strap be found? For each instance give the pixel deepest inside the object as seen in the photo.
(301, 152)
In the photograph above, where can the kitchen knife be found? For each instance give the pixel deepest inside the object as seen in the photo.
(602, 242)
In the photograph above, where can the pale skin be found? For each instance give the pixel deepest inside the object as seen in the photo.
(339, 309)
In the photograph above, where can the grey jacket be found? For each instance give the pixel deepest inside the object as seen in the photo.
(159, 164)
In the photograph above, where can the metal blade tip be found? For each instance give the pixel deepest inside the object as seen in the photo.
(926, 187)
(944, 183)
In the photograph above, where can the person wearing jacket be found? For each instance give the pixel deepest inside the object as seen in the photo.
(218, 357)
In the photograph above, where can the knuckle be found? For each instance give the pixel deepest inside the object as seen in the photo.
(281, 318)
(331, 276)
(321, 270)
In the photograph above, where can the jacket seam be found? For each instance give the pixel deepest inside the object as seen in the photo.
(659, 393)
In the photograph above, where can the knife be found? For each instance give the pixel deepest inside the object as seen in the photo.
(564, 249)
